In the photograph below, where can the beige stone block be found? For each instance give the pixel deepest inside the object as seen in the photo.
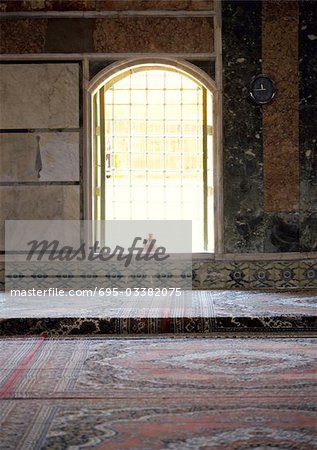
(38, 203)
(59, 154)
(39, 96)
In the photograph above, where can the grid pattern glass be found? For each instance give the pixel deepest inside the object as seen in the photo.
(154, 145)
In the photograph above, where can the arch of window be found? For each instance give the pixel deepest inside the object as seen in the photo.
(153, 147)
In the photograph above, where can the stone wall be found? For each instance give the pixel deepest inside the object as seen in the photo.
(270, 200)
(39, 112)
(269, 153)
(105, 5)
(107, 35)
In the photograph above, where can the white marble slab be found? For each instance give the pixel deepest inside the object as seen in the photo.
(37, 203)
(59, 154)
(39, 96)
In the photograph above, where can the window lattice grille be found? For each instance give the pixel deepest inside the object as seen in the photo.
(152, 132)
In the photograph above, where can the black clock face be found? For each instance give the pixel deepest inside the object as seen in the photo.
(262, 89)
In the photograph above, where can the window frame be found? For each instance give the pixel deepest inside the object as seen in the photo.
(113, 71)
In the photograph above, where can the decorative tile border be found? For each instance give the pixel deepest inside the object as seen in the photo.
(261, 275)
(308, 274)
(206, 275)
(286, 275)
(255, 275)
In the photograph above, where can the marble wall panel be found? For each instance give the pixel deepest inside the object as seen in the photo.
(39, 96)
(282, 232)
(69, 35)
(308, 161)
(59, 154)
(70, 5)
(155, 4)
(103, 5)
(115, 34)
(308, 124)
(154, 34)
(24, 5)
(308, 231)
(22, 35)
(37, 203)
(244, 224)
(47, 5)
(308, 52)
(288, 219)
(280, 135)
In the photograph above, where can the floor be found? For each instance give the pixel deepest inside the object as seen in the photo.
(168, 393)
(130, 385)
(191, 304)
(194, 312)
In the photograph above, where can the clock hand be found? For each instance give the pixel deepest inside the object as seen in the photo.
(262, 88)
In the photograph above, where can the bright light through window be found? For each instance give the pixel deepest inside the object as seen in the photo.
(153, 150)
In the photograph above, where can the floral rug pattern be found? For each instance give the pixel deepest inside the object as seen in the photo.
(168, 393)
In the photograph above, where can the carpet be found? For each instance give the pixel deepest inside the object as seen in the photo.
(171, 393)
(199, 312)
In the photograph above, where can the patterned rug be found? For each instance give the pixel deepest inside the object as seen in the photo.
(180, 393)
(208, 312)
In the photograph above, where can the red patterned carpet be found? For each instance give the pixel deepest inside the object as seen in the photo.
(182, 393)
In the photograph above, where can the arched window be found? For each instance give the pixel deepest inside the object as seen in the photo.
(153, 134)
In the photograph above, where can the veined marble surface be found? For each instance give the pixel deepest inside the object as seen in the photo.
(37, 203)
(39, 96)
(308, 124)
(97, 5)
(244, 224)
(154, 34)
(59, 154)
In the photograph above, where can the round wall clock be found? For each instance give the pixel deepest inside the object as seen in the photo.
(262, 89)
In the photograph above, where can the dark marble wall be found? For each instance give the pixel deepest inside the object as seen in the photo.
(250, 227)
(308, 124)
(242, 128)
